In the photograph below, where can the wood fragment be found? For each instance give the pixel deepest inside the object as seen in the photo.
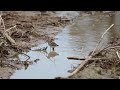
(10, 28)
(9, 38)
(92, 59)
(75, 58)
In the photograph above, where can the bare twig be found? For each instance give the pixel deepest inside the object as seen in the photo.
(10, 28)
(27, 56)
(5, 32)
(9, 38)
(101, 39)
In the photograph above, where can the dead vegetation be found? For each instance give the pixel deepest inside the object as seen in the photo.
(108, 61)
(100, 63)
(19, 31)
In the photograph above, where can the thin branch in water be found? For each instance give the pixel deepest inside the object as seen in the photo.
(26, 55)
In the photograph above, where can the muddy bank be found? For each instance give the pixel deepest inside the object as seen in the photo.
(37, 27)
(32, 28)
(106, 67)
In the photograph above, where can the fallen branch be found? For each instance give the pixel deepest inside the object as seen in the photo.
(5, 32)
(75, 58)
(89, 57)
(92, 59)
(9, 38)
(80, 66)
(101, 39)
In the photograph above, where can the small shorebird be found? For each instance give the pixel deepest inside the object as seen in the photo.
(52, 44)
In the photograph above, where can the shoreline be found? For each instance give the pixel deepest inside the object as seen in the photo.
(32, 28)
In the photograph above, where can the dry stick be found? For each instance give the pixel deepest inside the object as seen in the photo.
(6, 34)
(10, 28)
(92, 59)
(75, 58)
(89, 57)
(109, 47)
(101, 39)
(118, 55)
(80, 66)
(9, 38)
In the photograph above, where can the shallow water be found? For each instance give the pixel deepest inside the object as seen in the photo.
(76, 40)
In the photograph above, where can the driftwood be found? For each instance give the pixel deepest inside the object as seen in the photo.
(92, 59)
(80, 67)
(75, 58)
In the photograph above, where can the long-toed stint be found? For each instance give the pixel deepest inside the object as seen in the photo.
(52, 44)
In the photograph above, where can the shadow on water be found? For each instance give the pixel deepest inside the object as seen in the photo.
(76, 40)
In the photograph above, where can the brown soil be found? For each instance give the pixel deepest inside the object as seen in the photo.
(108, 68)
(33, 28)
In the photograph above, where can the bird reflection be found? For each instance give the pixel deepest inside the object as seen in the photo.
(52, 54)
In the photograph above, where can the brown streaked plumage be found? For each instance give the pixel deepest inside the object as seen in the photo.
(52, 44)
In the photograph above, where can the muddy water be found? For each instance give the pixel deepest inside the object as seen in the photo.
(76, 40)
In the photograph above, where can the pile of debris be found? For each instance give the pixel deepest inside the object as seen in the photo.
(21, 30)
